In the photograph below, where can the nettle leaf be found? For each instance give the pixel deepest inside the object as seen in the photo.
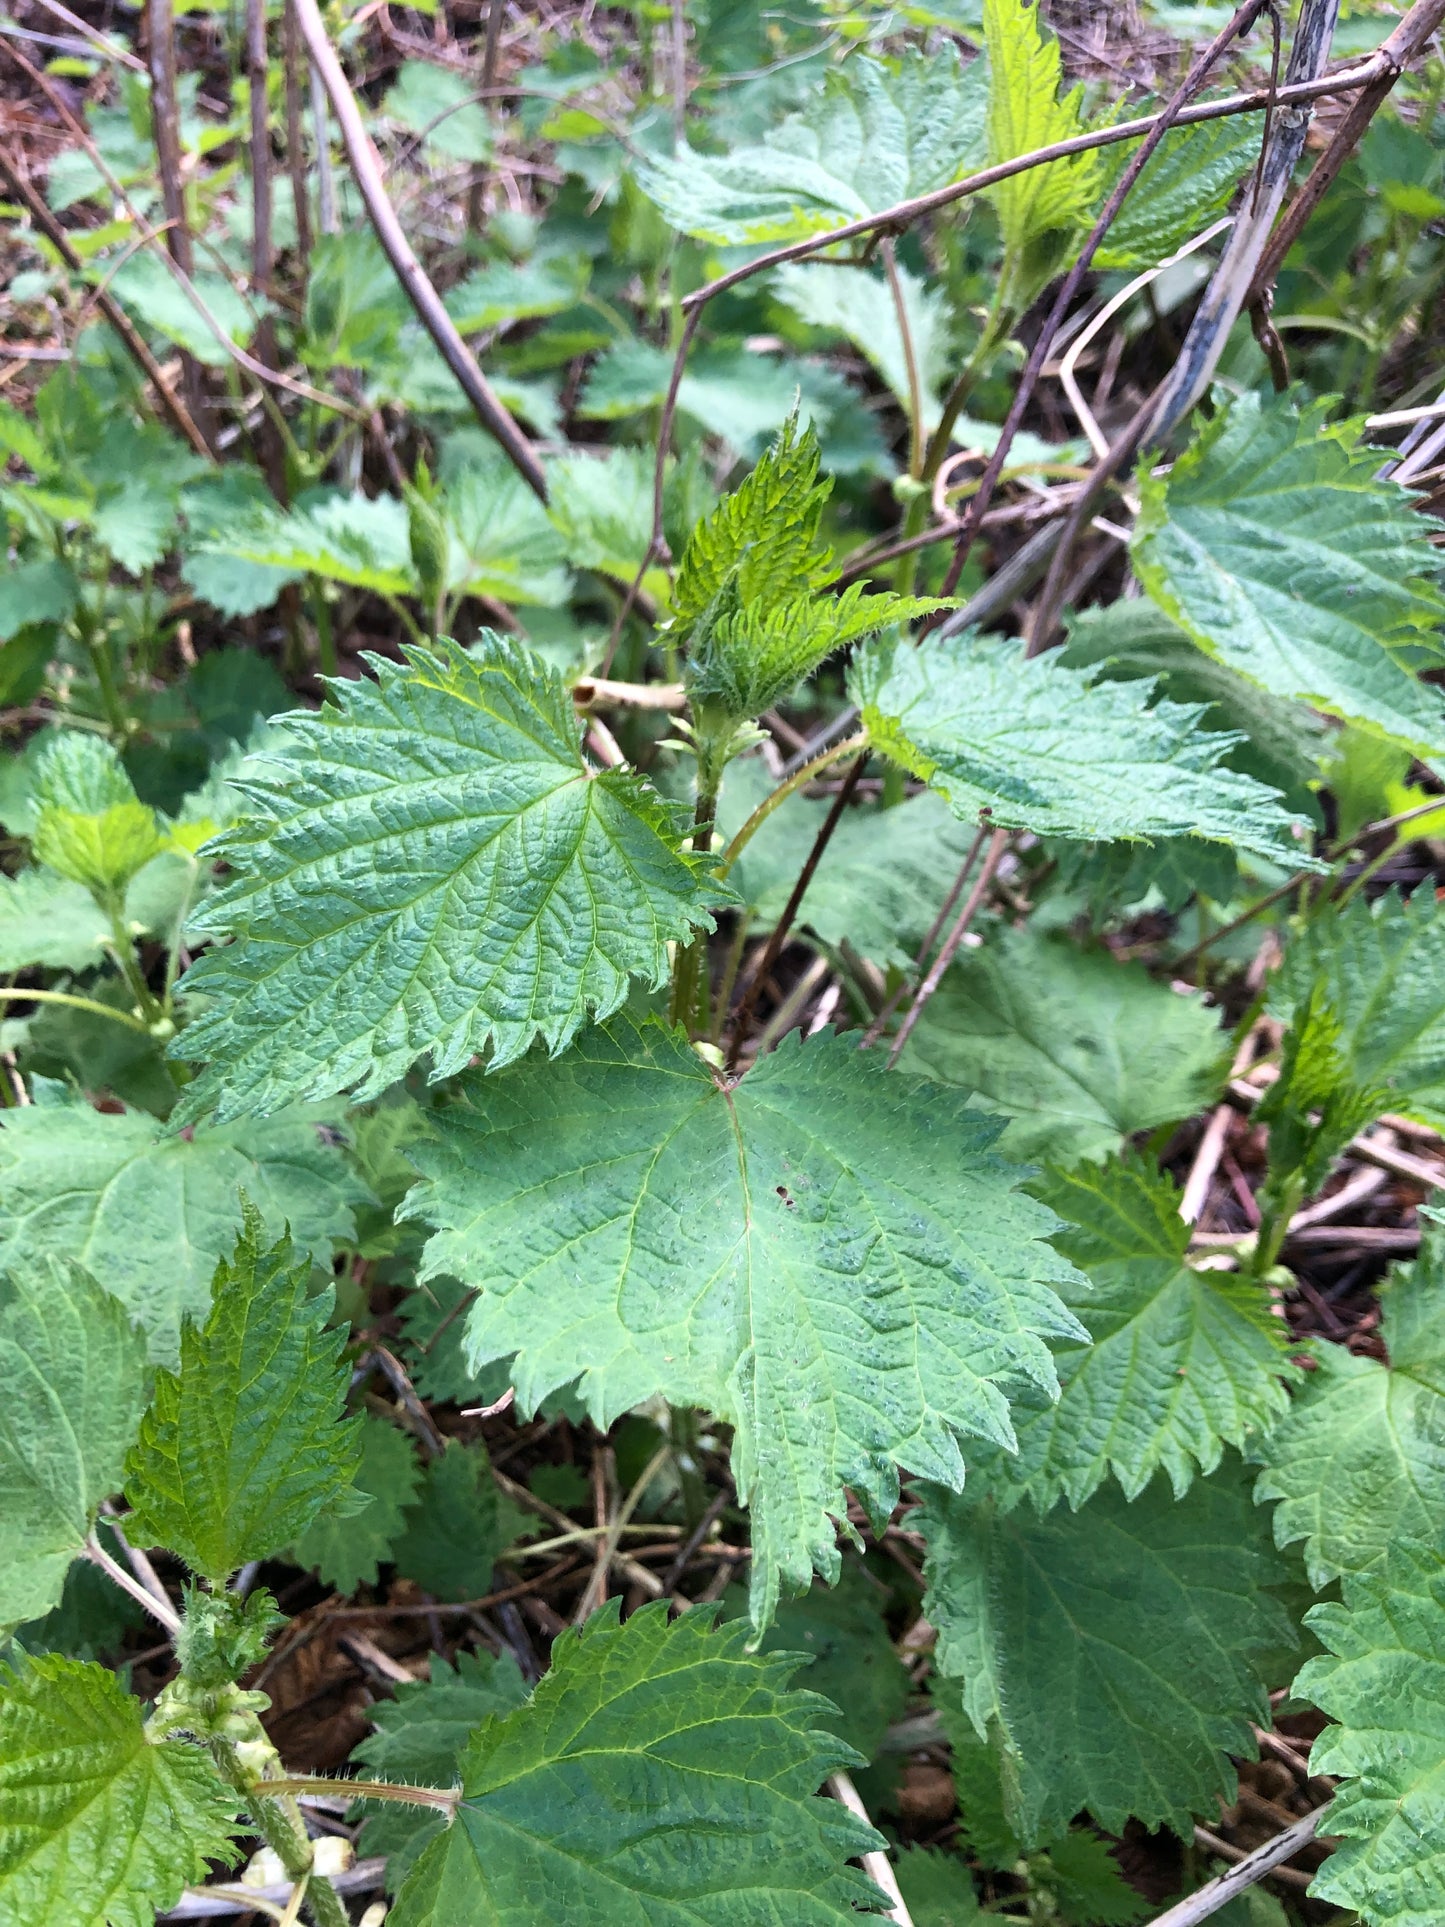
(1181, 1362)
(1383, 1679)
(458, 1528)
(100, 1826)
(1077, 1050)
(1188, 183)
(90, 826)
(502, 541)
(505, 291)
(1038, 211)
(747, 596)
(75, 1379)
(44, 590)
(1114, 1648)
(152, 1214)
(602, 508)
(885, 871)
(1376, 967)
(879, 134)
(843, 1632)
(1359, 1463)
(1059, 751)
(432, 868)
(1085, 1876)
(831, 1260)
(419, 1738)
(859, 305)
(1314, 1107)
(245, 1443)
(937, 1888)
(1274, 543)
(346, 1548)
(631, 1722)
(438, 105)
(352, 539)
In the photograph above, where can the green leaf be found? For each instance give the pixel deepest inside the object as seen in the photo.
(1114, 1647)
(1079, 1051)
(503, 542)
(602, 508)
(438, 105)
(1274, 543)
(92, 1618)
(1187, 184)
(884, 873)
(32, 592)
(1360, 1461)
(1181, 1362)
(100, 1826)
(74, 1373)
(858, 305)
(352, 539)
(937, 1888)
(347, 1548)
(458, 1528)
(1060, 752)
(89, 824)
(432, 868)
(1080, 1870)
(1314, 1107)
(419, 1738)
(1383, 1680)
(842, 1630)
(144, 285)
(1039, 211)
(434, 1327)
(774, 1252)
(878, 134)
(630, 1724)
(245, 1443)
(505, 291)
(1376, 966)
(153, 1214)
(355, 306)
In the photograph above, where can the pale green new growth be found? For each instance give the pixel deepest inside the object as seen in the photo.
(830, 1258)
(153, 1215)
(748, 597)
(433, 868)
(74, 1371)
(100, 1826)
(244, 1445)
(1275, 544)
(878, 134)
(346, 1547)
(1383, 1679)
(659, 1773)
(1378, 967)
(1114, 1647)
(89, 824)
(1080, 1052)
(1181, 1364)
(1359, 1463)
(1185, 186)
(1040, 210)
(1059, 751)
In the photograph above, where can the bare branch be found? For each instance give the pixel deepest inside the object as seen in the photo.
(1208, 1900)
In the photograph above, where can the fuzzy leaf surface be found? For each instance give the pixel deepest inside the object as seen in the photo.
(433, 868)
(1377, 967)
(152, 1214)
(1383, 1679)
(245, 1443)
(1275, 545)
(633, 1723)
(1114, 1647)
(1077, 1050)
(832, 1260)
(1359, 1463)
(75, 1374)
(1187, 184)
(1182, 1362)
(879, 134)
(1059, 751)
(419, 1737)
(99, 1825)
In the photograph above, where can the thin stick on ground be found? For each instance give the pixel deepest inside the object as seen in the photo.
(877, 1866)
(366, 167)
(998, 843)
(1208, 1900)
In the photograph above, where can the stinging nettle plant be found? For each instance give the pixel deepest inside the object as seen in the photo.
(444, 986)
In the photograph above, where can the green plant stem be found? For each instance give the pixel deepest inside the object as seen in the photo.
(997, 326)
(278, 1819)
(849, 747)
(916, 433)
(115, 715)
(124, 951)
(11, 994)
(321, 617)
(683, 1432)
